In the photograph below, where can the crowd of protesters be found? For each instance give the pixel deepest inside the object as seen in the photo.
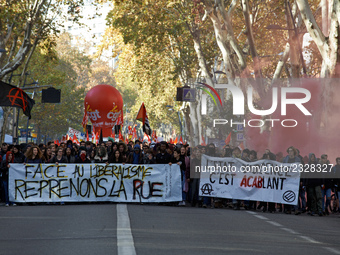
(314, 194)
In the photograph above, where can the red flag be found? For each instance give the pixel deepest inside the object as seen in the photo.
(176, 140)
(85, 120)
(154, 136)
(93, 135)
(97, 137)
(171, 142)
(87, 135)
(180, 140)
(75, 139)
(130, 132)
(146, 137)
(57, 142)
(121, 138)
(126, 140)
(241, 146)
(227, 140)
(134, 133)
(203, 141)
(143, 117)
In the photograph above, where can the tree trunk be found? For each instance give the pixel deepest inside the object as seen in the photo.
(7, 111)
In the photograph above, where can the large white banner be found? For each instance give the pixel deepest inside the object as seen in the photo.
(94, 182)
(263, 180)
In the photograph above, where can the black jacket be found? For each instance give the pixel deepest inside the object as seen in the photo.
(163, 158)
(19, 158)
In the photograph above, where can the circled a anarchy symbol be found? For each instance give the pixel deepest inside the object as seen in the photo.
(289, 196)
(206, 189)
(18, 97)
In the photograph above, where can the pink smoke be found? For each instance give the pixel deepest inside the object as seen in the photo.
(310, 135)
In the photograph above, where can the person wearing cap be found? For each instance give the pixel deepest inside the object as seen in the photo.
(135, 157)
(163, 157)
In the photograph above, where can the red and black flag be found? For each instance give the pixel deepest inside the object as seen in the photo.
(15, 97)
(143, 117)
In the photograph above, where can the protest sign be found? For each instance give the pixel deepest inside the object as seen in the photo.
(94, 182)
(263, 180)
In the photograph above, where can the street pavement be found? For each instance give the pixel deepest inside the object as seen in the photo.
(160, 229)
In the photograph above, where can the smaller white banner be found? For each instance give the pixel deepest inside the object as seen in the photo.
(263, 180)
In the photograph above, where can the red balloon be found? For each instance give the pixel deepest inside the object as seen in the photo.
(103, 104)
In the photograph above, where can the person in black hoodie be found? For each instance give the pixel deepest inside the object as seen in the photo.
(82, 159)
(177, 159)
(18, 156)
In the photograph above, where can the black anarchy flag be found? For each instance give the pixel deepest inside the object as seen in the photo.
(15, 97)
(143, 117)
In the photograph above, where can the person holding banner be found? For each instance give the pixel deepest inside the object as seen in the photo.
(148, 157)
(195, 176)
(34, 155)
(101, 155)
(69, 154)
(136, 156)
(4, 175)
(116, 158)
(122, 147)
(163, 157)
(177, 159)
(18, 156)
(47, 156)
(82, 159)
(59, 158)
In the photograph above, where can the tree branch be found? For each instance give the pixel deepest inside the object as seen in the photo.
(313, 28)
